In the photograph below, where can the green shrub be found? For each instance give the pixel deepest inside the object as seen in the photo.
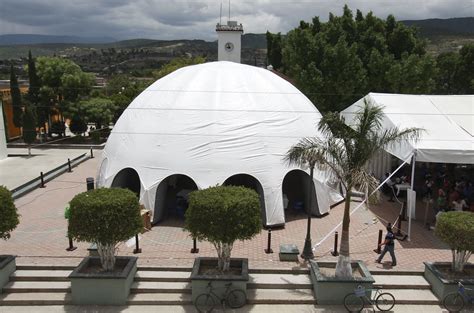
(105, 217)
(222, 215)
(457, 230)
(77, 125)
(8, 213)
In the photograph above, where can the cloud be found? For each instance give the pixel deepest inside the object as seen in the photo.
(177, 19)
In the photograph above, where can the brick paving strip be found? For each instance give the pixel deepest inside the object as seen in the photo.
(41, 236)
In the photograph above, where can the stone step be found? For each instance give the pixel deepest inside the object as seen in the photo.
(291, 271)
(279, 281)
(35, 267)
(401, 282)
(35, 298)
(164, 276)
(160, 287)
(279, 296)
(40, 275)
(410, 296)
(159, 299)
(37, 286)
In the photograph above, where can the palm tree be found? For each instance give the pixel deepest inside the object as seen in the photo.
(345, 151)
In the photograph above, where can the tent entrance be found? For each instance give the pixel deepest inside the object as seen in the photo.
(248, 181)
(171, 200)
(295, 189)
(127, 178)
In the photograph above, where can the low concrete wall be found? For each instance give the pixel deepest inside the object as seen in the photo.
(332, 290)
(440, 285)
(200, 282)
(7, 267)
(103, 288)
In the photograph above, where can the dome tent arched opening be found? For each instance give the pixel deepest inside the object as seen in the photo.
(127, 178)
(171, 199)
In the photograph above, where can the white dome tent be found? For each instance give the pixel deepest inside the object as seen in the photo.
(214, 123)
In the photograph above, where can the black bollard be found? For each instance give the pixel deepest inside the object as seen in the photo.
(194, 249)
(42, 185)
(399, 226)
(69, 169)
(269, 250)
(137, 246)
(90, 183)
(379, 242)
(92, 154)
(71, 246)
(334, 252)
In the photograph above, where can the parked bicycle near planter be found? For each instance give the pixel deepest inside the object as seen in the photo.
(455, 301)
(355, 302)
(233, 298)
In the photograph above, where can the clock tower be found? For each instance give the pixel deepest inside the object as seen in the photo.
(229, 41)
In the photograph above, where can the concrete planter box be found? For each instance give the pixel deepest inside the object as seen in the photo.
(102, 288)
(332, 290)
(441, 285)
(199, 281)
(7, 267)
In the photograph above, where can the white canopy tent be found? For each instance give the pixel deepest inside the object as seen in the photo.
(448, 123)
(213, 123)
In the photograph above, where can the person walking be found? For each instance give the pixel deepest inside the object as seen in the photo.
(389, 244)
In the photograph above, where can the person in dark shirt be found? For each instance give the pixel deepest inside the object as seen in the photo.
(389, 246)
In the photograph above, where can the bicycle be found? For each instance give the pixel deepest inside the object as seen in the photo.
(355, 302)
(234, 298)
(455, 301)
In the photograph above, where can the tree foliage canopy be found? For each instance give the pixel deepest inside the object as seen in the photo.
(175, 64)
(457, 230)
(16, 99)
(337, 62)
(105, 216)
(223, 214)
(8, 213)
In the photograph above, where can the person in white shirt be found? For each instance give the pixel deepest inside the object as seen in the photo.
(459, 204)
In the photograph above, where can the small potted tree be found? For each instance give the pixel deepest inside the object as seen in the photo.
(457, 230)
(104, 217)
(222, 215)
(8, 222)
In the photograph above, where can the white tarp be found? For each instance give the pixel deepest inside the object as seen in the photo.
(210, 122)
(448, 122)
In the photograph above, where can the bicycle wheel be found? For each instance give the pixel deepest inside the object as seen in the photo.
(236, 298)
(453, 302)
(385, 301)
(353, 303)
(204, 303)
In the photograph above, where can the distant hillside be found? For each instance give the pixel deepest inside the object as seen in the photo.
(30, 39)
(442, 27)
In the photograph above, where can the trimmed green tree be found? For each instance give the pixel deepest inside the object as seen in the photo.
(8, 212)
(77, 125)
(457, 230)
(105, 217)
(222, 215)
(16, 99)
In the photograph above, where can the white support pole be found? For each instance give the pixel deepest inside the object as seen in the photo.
(412, 199)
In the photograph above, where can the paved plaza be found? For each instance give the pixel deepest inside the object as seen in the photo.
(20, 167)
(40, 237)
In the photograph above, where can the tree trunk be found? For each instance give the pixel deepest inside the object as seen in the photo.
(343, 267)
(460, 258)
(107, 256)
(223, 253)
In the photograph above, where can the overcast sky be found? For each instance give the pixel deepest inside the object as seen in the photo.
(181, 19)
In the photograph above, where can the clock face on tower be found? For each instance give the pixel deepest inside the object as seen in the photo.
(229, 46)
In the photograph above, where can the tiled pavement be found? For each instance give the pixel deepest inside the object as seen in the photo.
(40, 237)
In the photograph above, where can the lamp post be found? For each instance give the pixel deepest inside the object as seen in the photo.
(307, 250)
